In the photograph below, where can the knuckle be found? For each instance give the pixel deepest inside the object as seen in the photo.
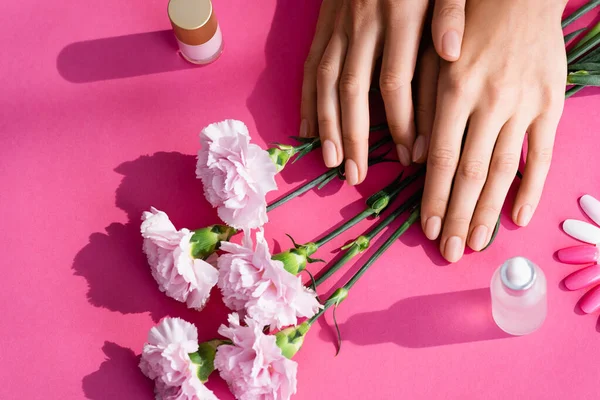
(441, 159)
(326, 71)
(505, 164)
(311, 63)
(474, 170)
(353, 141)
(391, 82)
(454, 82)
(349, 85)
(488, 209)
(451, 10)
(540, 156)
(553, 99)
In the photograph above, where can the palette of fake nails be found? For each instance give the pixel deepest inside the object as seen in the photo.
(589, 253)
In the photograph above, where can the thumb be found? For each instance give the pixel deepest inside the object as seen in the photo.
(447, 28)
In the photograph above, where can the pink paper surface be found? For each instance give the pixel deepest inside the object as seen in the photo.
(99, 120)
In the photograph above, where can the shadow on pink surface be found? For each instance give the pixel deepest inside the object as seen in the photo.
(425, 321)
(120, 57)
(119, 377)
(113, 263)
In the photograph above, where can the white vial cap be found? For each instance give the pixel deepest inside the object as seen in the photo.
(518, 273)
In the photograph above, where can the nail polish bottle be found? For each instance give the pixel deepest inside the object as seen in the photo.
(196, 29)
(518, 291)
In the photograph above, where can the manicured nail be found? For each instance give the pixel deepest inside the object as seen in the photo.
(451, 44)
(583, 254)
(453, 250)
(590, 302)
(433, 227)
(419, 148)
(304, 128)
(524, 215)
(478, 238)
(583, 278)
(329, 154)
(351, 170)
(591, 206)
(403, 155)
(582, 230)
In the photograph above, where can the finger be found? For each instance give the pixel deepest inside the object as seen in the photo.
(468, 183)
(447, 28)
(539, 155)
(354, 100)
(503, 167)
(323, 33)
(425, 111)
(328, 108)
(442, 158)
(397, 69)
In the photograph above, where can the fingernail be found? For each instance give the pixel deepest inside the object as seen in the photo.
(478, 237)
(304, 128)
(433, 227)
(453, 250)
(524, 215)
(451, 44)
(351, 170)
(583, 278)
(403, 155)
(329, 153)
(419, 149)
(590, 302)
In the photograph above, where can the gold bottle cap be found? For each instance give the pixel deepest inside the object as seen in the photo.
(193, 21)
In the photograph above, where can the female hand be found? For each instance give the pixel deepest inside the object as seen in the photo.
(350, 36)
(509, 79)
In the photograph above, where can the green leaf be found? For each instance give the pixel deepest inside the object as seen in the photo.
(593, 32)
(579, 13)
(591, 66)
(577, 52)
(584, 80)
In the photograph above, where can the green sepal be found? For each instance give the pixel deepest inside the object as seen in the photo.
(290, 340)
(361, 243)
(280, 155)
(204, 358)
(295, 259)
(207, 240)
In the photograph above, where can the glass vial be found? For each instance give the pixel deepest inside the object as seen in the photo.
(518, 291)
(196, 29)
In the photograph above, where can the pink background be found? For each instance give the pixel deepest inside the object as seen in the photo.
(99, 120)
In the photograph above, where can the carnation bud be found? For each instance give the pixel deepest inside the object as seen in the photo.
(359, 245)
(290, 340)
(378, 201)
(204, 358)
(295, 260)
(206, 240)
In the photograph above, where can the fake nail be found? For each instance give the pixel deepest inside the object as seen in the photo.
(581, 230)
(583, 254)
(583, 278)
(591, 206)
(590, 302)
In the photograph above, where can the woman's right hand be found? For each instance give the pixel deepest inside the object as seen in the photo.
(350, 36)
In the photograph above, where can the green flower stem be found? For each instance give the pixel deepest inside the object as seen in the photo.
(593, 32)
(345, 226)
(325, 177)
(335, 298)
(570, 36)
(357, 247)
(580, 12)
(577, 52)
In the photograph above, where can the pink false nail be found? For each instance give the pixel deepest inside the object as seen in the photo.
(581, 230)
(590, 302)
(583, 254)
(591, 206)
(583, 278)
